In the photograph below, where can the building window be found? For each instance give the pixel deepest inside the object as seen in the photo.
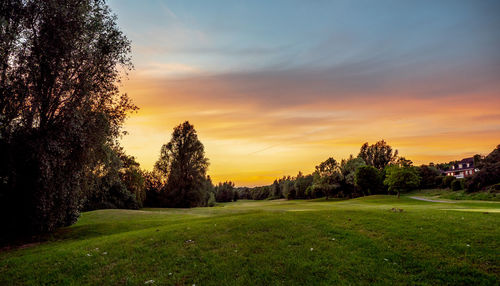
(468, 165)
(460, 166)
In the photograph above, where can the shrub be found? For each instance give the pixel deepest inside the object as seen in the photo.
(439, 181)
(447, 181)
(456, 185)
(211, 200)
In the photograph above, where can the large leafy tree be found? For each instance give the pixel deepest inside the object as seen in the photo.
(60, 62)
(368, 179)
(400, 179)
(328, 177)
(348, 170)
(183, 166)
(378, 155)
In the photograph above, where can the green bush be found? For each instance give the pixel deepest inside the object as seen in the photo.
(447, 181)
(456, 185)
(211, 200)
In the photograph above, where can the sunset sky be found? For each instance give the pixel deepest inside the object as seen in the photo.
(274, 87)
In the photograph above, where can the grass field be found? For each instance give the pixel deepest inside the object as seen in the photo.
(459, 195)
(360, 241)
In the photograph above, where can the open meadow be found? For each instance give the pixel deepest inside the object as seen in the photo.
(366, 241)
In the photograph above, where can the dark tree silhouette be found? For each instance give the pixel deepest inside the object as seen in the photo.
(378, 155)
(183, 166)
(60, 62)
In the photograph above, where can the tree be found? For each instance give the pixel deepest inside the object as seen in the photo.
(348, 170)
(60, 62)
(488, 174)
(428, 175)
(276, 190)
(327, 181)
(116, 183)
(224, 192)
(367, 179)
(301, 184)
(183, 166)
(378, 155)
(400, 179)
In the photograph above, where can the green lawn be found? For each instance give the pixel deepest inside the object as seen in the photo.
(360, 241)
(459, 195)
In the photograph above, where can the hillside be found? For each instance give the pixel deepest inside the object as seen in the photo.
(360, 241)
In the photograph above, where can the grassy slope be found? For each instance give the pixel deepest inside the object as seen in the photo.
(269, 243)
(459, 195)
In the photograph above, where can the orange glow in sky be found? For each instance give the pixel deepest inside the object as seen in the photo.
(251, 143)
(275, 87)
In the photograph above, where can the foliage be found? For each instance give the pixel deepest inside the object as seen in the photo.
(401, 179)
(276, 190)
(488, 174)
(116, 183)
(211, 200)
(428, 175)
(153, 185)
(301, 184)
(327, 179)
(378, 155)
(182, 166)
(368, 179)
(456, 185)
(448, 180)
(224, 192)
(60, 108)
(348, 170)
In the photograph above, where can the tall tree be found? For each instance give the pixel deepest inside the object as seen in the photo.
(60, 62)
(329, 177)
(378, 155)
(183, 166)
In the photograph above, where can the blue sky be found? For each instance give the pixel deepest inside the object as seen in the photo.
(226, 36)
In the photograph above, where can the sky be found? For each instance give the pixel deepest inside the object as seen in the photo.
(276, 87)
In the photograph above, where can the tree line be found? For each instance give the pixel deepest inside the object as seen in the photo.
(377, 169)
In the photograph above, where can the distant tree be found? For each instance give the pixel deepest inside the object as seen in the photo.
(236, 196)
(301, 184)
(183, 163)
(403, 162)
(378, 155)
(289, 191)
(153, 183)
(115, 183)
(488, 174)
(428, 175)
(224, 192)
(276, 190)
(60, 64)
(368, 179)
(401, 179)
(348, 170)
(328, 179)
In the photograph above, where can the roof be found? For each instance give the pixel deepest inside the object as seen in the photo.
(464, 163)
